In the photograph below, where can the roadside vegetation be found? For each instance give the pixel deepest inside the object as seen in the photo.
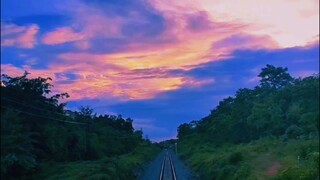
(269, 132)
(40, 139)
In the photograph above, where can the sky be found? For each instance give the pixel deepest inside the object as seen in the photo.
(160, 62)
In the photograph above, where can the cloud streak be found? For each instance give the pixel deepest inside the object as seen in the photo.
(20, 36)
(62, 35)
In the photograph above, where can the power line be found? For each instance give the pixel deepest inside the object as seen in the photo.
(15, 91)
(36, 115)
(30, 106)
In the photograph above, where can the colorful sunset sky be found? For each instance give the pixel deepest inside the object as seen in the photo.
(160, 62)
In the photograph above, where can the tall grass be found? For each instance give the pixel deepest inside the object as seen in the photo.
(267, 158)
(123, 167)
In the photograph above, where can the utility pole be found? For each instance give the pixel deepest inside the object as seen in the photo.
(176, 147)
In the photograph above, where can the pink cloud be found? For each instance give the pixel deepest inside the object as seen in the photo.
(111, 74)
(62, 35)
(90, 23)
(82, 45)
(20, 36)
(27, 40)
(11, 70)
(196, 32)
(245, 41)
(11, 29)
(98, 79)
(93, 22)
(199, 22)
(8, 42)
(289, 23)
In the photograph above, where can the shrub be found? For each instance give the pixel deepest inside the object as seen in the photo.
(235, 158)
(17, 166)
(226, 172)
(314, 158)
(293, 131)
(244, 172)
(301, 173)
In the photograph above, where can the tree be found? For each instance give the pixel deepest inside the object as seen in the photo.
(35, 127)
(274, 77)
(86, 112)
(184, 130)
(18, 157)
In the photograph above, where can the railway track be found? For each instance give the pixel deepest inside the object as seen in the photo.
(167, 169)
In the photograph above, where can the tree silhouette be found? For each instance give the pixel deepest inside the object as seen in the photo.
(274, 77)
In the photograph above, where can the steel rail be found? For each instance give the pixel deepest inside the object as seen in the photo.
(167, 159)
(173, 172)
(162, 169)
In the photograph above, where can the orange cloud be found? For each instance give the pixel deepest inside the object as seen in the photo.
(114, 75)
(193, 35)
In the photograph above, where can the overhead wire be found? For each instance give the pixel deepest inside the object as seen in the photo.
(30, 106)
(36, 115)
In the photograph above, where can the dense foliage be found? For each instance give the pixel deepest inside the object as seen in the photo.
(281, 108)
(37, 130)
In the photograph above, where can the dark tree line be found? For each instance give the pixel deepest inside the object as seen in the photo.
(35, 127)
(281, 106)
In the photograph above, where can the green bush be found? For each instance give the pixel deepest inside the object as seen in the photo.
(226, 172)
(298, 172)
(235, 157)
(314, 158)
(293, 131)
(17, 166)
(244, 172)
